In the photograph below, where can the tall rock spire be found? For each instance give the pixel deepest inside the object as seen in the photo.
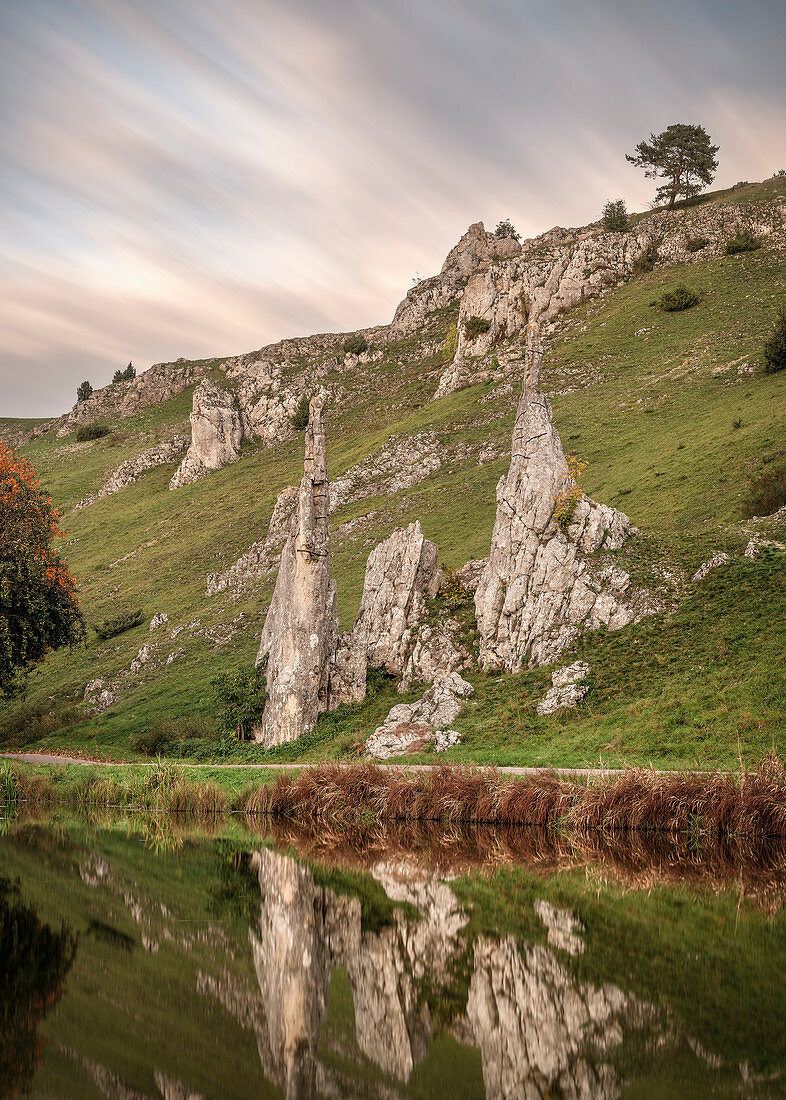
(540, 588)
(300, 633)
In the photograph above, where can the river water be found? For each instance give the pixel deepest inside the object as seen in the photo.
(144, 958)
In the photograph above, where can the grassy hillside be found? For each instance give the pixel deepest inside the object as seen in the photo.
(673, 417)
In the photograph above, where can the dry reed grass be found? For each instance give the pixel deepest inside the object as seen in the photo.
(752, 804)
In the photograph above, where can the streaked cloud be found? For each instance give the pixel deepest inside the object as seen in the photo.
(183, 177)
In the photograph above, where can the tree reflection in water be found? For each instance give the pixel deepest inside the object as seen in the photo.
(34, 961)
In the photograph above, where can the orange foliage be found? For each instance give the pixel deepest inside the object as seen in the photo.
(26, 508)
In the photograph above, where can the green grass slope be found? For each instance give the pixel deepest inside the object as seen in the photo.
(673, 417)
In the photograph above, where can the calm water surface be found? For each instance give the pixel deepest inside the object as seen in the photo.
(146, 959)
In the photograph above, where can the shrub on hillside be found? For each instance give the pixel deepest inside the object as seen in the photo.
(682, 297)
(172, 734)
(126, 375)
(615, 217)
(241, 696)
(571, 491)
(646, 260)
(111, 627)
(744, 241)
(774, 349)
(29, 722)
(300, 415)
(355, 344)
(695, 244)
(476, 326)
(91, 431)
(767, 489)
(449, 346)
(83, 391)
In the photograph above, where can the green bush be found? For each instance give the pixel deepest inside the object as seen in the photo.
(355, 344)
(111, 627)
(91, 431)
(169, 736)
(476, 326)
(505, 229)
(647, 259)
(774, 349)
(695, 244)
(682, 297)
(615, 217)
(767, 490)
(300, 415)
(29, 722)
(83, 391)
(241, 696)
(743, 241)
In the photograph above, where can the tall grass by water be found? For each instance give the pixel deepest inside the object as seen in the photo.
(749, 804)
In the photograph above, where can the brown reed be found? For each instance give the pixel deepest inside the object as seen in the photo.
(752, 804)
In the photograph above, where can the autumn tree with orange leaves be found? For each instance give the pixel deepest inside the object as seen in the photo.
(39, 610)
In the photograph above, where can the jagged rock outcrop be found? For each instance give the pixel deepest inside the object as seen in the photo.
(401, 574)
(541, 586)
(300, 634)
(567, 688)
(216, 434)
(714, 562)
(409, 727)
(560, 269)
(134, 468)
(475, 247)
(263, 556)
(160, 383)
(436, 651)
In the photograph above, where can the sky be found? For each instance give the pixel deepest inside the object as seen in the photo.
(199, 178)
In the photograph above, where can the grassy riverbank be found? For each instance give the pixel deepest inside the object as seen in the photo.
(750, 804)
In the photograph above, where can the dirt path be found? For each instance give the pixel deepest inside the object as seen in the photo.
(50, 758)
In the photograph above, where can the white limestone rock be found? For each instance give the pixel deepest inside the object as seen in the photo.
(411, 726)
(540, 587)
(99, 696)
(158, 620)
(300, 634)
(216, 434)
(567, 688)
(564, 929)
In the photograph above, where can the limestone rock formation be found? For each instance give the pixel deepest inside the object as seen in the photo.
(540, 587)
(409, 727)
(263, 556)
(216, 434)
(300, 634)
(476, 247)
(714, 562)
(564, 929)
(401, 573)
(161, 382)
(130, 471)
(566, 688)
(436, 651)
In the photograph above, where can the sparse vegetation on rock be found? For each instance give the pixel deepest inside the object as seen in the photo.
(355, 344)
(476, 326)
(300, 415)
(744, 241)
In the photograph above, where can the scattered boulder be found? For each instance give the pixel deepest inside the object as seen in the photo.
(158, 620)
(142, 658)
(300, 634)
(757, 544)
(707, 567)
(99, 696)
(409, 727)
(566, 688)
(545, 580)
(469, 575)
(216, 434)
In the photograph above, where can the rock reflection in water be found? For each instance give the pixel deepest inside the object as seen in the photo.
(532, 1021)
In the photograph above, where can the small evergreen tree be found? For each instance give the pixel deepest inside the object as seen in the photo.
(774, 349)
(300, 415)
(129, 372)
(615, 217)
(83, 391)
(682, 155)
(505, 229)
(118, 376)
